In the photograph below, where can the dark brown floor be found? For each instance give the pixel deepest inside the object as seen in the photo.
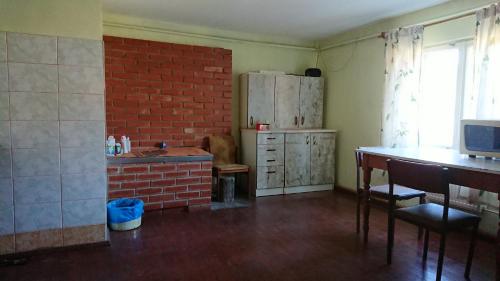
(298, 237)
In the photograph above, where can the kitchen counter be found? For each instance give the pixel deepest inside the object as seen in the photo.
(171, 178)
(173, 154)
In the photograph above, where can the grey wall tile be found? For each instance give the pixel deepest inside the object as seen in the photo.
(81, 79)
(4, 134)
(84, 212)
(73, 51)
(82, 134)
(6, 193)
(82, 160)
(35, 162)
(3, 47)
(32, 48)
(81, 107)
(35, 134)
(25, 77)
(33, 106)
(84, 186)
(7, 220)
(5, 163)
(4, 106)
(4, 77)
(33, 217)
(41, 189)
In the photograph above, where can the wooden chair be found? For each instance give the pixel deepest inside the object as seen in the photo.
(432, 217)
(382, 191)
(224, 150)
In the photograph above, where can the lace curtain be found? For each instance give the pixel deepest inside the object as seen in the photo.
(484, 101)
(403, 55)
(400, 126)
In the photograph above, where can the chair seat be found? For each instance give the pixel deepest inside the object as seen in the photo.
(231, 168)
(431, 215)
(400, 192)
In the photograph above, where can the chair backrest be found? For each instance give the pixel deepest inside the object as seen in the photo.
(420, 176)
(223, 148)
(425, 177)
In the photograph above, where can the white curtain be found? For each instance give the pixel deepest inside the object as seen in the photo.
(484, 100)
(403, 55)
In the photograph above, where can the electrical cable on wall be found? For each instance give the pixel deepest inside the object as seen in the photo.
(345, 64)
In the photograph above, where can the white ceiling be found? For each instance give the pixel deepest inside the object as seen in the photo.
(298, 19)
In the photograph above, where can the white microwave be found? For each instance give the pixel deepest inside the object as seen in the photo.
(480, 138)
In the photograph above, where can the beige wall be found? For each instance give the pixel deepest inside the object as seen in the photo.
(72, 18)
(252, 53)
(353, 100)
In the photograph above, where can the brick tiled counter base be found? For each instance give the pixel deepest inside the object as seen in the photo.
(162, 185)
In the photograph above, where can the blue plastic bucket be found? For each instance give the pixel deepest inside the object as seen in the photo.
(125, 213)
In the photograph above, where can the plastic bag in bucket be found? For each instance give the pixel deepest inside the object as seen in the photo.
(125, 214)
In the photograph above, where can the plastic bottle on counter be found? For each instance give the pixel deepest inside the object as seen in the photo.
(129, 145)
(110, 146)
(118, 149)
(124, 144)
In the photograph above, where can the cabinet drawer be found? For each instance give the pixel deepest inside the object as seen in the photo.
(270, 154)
(270, 177)
(297, 138)
(270, 138)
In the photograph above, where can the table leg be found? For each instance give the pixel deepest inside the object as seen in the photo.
(367, 172)
(498, 246)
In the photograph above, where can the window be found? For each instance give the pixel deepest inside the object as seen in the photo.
(446, 79)
(446, 82)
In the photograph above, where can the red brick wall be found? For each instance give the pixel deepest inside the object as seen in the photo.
(162, 185)
(161, 91)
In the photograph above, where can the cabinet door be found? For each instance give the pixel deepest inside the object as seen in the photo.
(322, 158)
(297, 159)
(287, 108)
(260, 99)
(311, 102)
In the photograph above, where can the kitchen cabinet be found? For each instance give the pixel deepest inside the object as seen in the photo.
(297, 159)
(283, 101)
(257, 99)
(287, 107)
(264, 153)
(286, 161)
(311, 102)
(322, 158)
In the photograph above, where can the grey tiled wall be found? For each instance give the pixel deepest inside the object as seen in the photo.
(52, 163)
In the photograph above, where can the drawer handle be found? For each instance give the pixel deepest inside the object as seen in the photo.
(270, 149)
(251, 120)
(271, 172)
(271, 160)
(271, 138)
